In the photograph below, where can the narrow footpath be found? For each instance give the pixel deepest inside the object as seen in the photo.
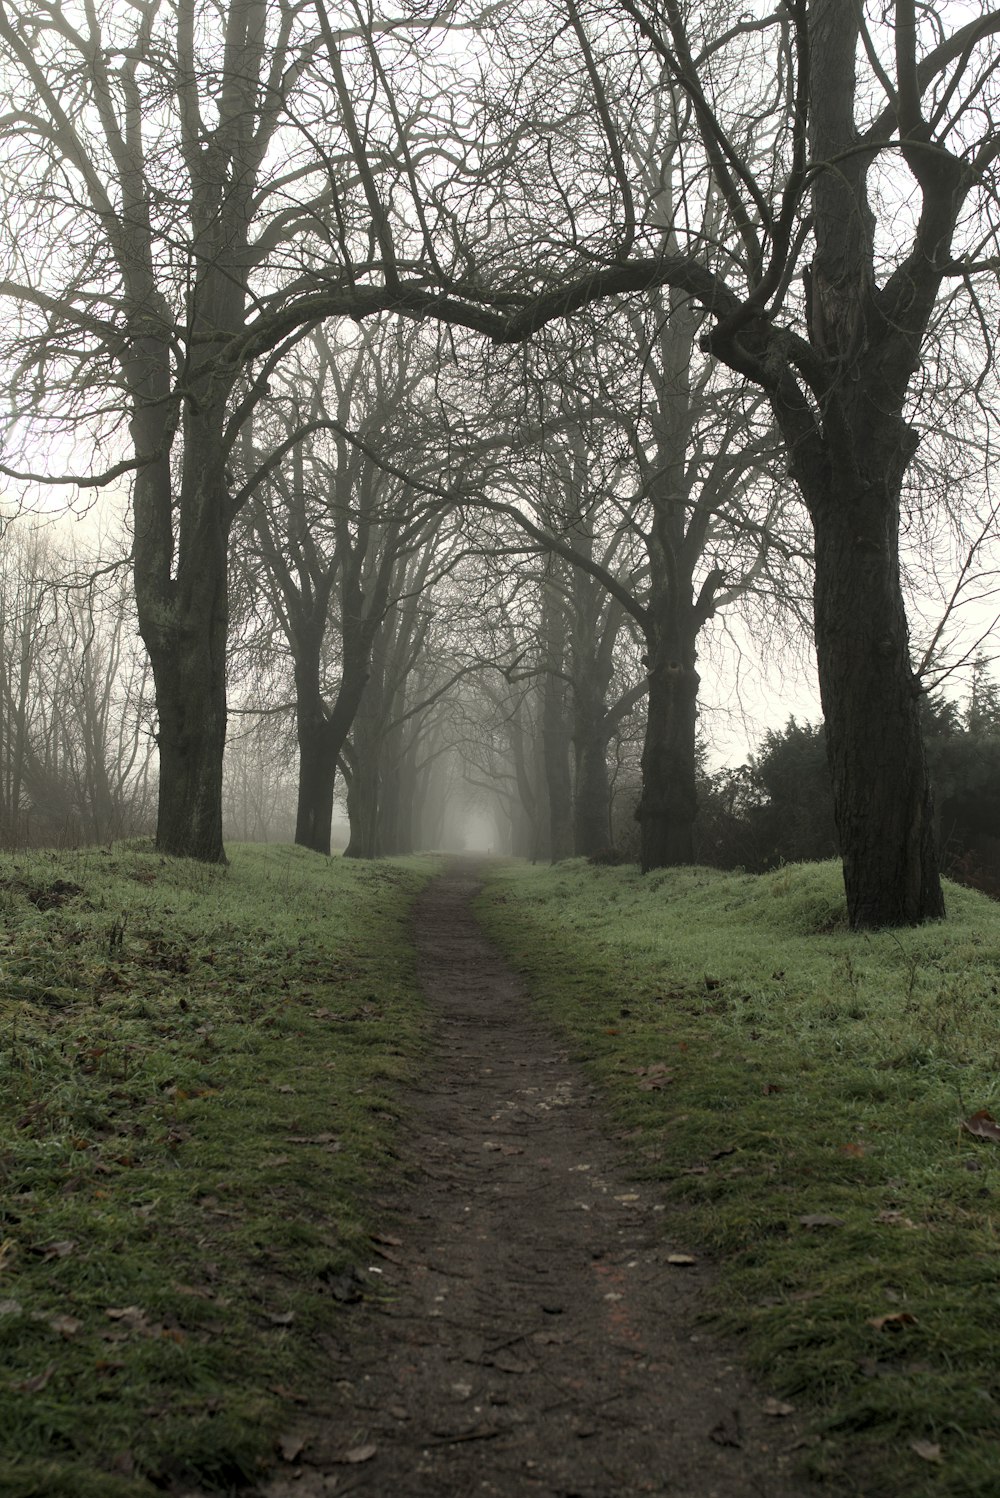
(534, 1339)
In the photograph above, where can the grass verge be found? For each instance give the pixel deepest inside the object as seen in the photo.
(798, 1092)
(198, 1078)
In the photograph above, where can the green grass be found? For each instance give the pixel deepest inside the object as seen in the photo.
(801, 1071)
(198, 1085)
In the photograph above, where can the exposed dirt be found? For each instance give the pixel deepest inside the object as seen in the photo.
(535, 1339)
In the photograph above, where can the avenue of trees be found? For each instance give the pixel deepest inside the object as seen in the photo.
(465, 367)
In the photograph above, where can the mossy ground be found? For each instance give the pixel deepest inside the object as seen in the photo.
(198, 1085)
(798, 1091)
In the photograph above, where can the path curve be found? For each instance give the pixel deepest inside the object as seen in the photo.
(535, 1340)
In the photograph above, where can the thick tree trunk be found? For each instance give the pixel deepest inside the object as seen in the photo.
(184, 621)
(317, 779)
(190, 681)
(882, 798)
(867, 332)
(669, 801)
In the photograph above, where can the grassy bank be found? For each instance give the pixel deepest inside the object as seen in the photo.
(798, 1092)
(198, 1071)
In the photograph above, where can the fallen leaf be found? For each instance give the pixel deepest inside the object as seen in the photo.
(897, 1219)
(36, 1384)
(770, 1087)
(928, 1451)
(777, 1407)
(820, 1220)
(281, 1318)
(681, 1259)
(360, 1454)
(893, 1322)
(291, 1447)
(284, 1088)
(856, 1151)
(983, 1126)
(66, 1326)
(60, 1250)
(127, 1315)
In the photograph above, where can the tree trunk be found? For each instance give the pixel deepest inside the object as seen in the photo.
(184, 622)
(850, 468)
(669, 801)
(882, 798)
(190, 684)
(322, 732)
(317, 778)
(362, 811)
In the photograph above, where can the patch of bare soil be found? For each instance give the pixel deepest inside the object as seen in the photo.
(534, 1338)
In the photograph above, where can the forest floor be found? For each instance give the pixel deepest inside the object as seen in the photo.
(540, 1322)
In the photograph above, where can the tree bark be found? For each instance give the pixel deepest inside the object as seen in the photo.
(850, 469)
(317, 779)
(669, 802)
(190, 685)
(362, 810)
(184, 623)
(883, 802)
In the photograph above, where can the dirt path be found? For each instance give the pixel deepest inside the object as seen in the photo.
(535, 1340)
